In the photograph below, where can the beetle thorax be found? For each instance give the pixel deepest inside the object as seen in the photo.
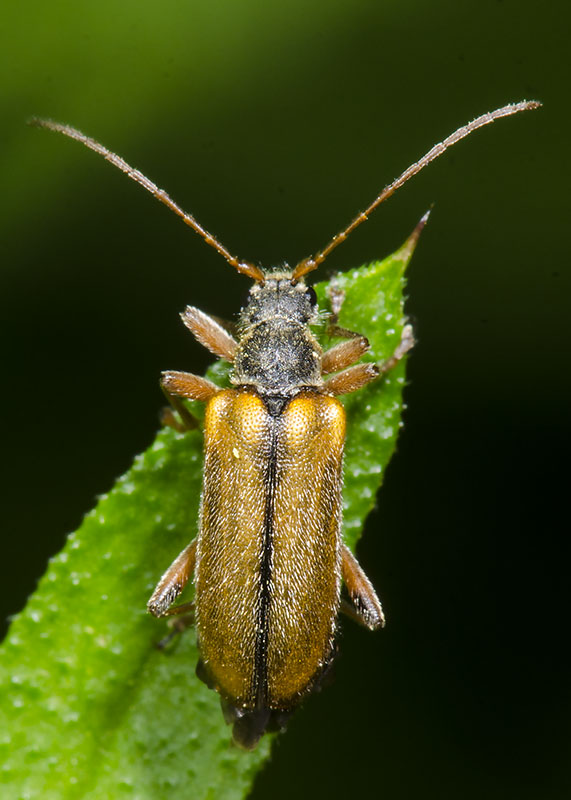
(277, 353)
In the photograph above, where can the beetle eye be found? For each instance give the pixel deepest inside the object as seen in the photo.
(311, 296)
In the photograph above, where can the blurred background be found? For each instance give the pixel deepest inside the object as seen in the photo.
(274, 124)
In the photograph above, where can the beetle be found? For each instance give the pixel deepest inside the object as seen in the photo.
(269, 560)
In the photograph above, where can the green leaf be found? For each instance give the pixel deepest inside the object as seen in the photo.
(90, 708)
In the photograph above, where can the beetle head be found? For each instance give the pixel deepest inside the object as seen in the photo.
(280, 295)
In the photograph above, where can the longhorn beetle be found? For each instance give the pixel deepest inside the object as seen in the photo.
(268, 560)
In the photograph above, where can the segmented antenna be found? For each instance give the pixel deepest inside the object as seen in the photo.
(311, 263)
(242, 266)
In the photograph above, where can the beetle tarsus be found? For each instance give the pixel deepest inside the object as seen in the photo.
(406, 343)
(178, 627)
(176, 415)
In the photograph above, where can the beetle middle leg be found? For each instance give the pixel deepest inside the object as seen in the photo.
(192, 387)
(342, 355)
(176, 415)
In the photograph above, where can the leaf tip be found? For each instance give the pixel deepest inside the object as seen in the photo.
(404, 253)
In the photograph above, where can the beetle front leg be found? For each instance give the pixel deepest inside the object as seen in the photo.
(210, 332)
(337, 298)
(366, 607)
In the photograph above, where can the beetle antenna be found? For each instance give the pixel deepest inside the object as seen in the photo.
(311, 263)
(242, 266)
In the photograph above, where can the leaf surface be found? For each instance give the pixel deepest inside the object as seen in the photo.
(89, 708)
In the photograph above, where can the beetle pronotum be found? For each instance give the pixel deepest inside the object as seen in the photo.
(269, 559)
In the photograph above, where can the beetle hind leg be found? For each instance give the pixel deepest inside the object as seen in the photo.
(172, 583)
(365, 606)
(177, 624)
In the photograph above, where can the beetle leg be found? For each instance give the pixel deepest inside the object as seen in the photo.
(366, 607)
(230, 326)
(346, 608)
(185, 421)
(406, 343)
(192, 387)
(177, 625)
(176, 611)
(210, 333)
(172, 583)
(360, 375)
(336, 298)
(183, 384)
(351, 379)
(344, 354)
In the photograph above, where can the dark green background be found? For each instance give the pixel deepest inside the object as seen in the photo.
(274, 123)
